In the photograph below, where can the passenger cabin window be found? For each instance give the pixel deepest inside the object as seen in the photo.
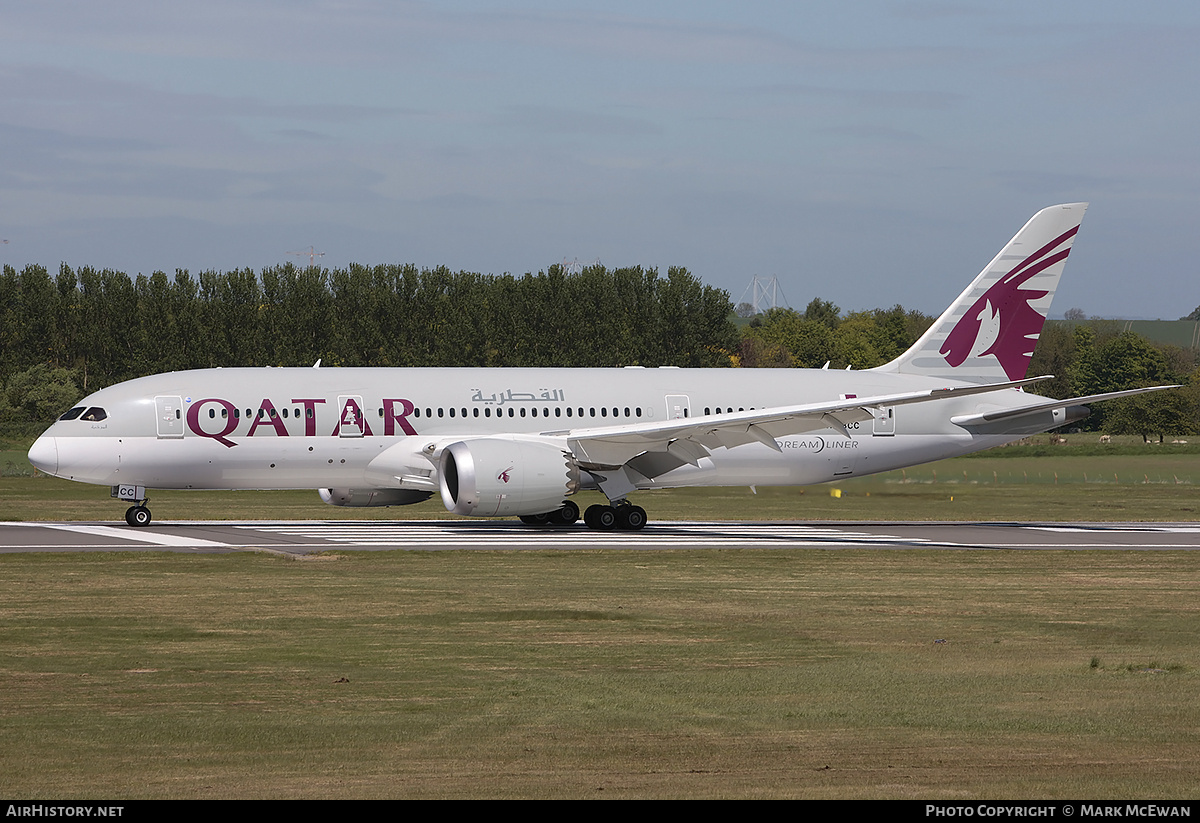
(96, 414)
(72, 413)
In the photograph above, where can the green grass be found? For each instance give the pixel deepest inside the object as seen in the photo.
(748, 673)
(740, 673)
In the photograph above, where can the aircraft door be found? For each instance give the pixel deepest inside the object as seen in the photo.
(678, 407)
(169, 411)
(350, 420)
(885, 420)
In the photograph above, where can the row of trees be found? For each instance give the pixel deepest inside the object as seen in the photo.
(108, 327)
(1086, 358)
(784, 338)
(65, 335)
(81, 330)
(1097, 357)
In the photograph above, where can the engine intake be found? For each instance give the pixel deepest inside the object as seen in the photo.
(491, 476)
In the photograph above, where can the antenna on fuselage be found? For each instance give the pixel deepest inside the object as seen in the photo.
(317, 365)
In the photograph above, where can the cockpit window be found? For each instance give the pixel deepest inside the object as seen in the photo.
(72, 414)
(95, 414)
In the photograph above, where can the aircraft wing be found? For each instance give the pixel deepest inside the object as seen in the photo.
(968, 420)
(652, 449)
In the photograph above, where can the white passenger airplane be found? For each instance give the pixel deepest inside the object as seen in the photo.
(520, 442)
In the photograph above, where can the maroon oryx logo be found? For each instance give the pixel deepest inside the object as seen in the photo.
(504, 474)
(1001, 322)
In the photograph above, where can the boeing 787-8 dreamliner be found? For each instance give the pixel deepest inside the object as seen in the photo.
(495, 442)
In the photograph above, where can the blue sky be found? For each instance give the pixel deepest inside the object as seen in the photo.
(867, 153)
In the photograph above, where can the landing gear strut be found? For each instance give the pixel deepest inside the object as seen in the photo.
(136, 515)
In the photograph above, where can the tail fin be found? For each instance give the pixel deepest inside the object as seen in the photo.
(988, 334)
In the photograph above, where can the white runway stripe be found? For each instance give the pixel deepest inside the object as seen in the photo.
(1125, 530)
(140, 536)
(665, 535)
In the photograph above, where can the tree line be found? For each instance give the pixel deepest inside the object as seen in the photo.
(1088, 357)
(80, 330)
(109, 327)
(83, 329)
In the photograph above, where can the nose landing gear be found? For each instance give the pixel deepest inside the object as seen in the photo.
(137, 516)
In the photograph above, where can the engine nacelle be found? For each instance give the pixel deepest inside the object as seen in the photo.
(363, 498)
(491, 476)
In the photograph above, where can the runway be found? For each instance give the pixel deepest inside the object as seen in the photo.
(313, 536)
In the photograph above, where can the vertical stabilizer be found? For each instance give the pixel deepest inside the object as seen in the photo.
(988, 334)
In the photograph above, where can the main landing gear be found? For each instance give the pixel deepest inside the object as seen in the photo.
(565, 516)
(621, 516)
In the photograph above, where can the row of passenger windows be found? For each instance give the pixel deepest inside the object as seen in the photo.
(571, 411)
(262, 413)
(96, 413)
(442, 413)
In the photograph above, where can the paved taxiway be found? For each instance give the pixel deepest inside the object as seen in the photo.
(310, 536)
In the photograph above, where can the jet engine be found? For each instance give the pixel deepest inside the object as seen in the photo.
(490, 476)
(362, 498)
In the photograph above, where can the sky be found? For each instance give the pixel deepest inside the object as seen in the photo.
(867, 153)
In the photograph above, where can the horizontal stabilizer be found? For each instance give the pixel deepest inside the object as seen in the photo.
(968, 420)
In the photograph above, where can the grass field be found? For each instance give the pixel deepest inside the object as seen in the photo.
(588, 674)
(797, 673)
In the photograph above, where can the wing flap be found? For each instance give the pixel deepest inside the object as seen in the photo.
(690, 439)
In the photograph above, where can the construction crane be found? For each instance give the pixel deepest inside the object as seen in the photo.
(575, 267)
(312, 254)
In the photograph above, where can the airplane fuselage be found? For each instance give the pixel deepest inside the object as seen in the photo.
(291, 428)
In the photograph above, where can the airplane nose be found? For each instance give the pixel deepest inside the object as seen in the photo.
(43, 454)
